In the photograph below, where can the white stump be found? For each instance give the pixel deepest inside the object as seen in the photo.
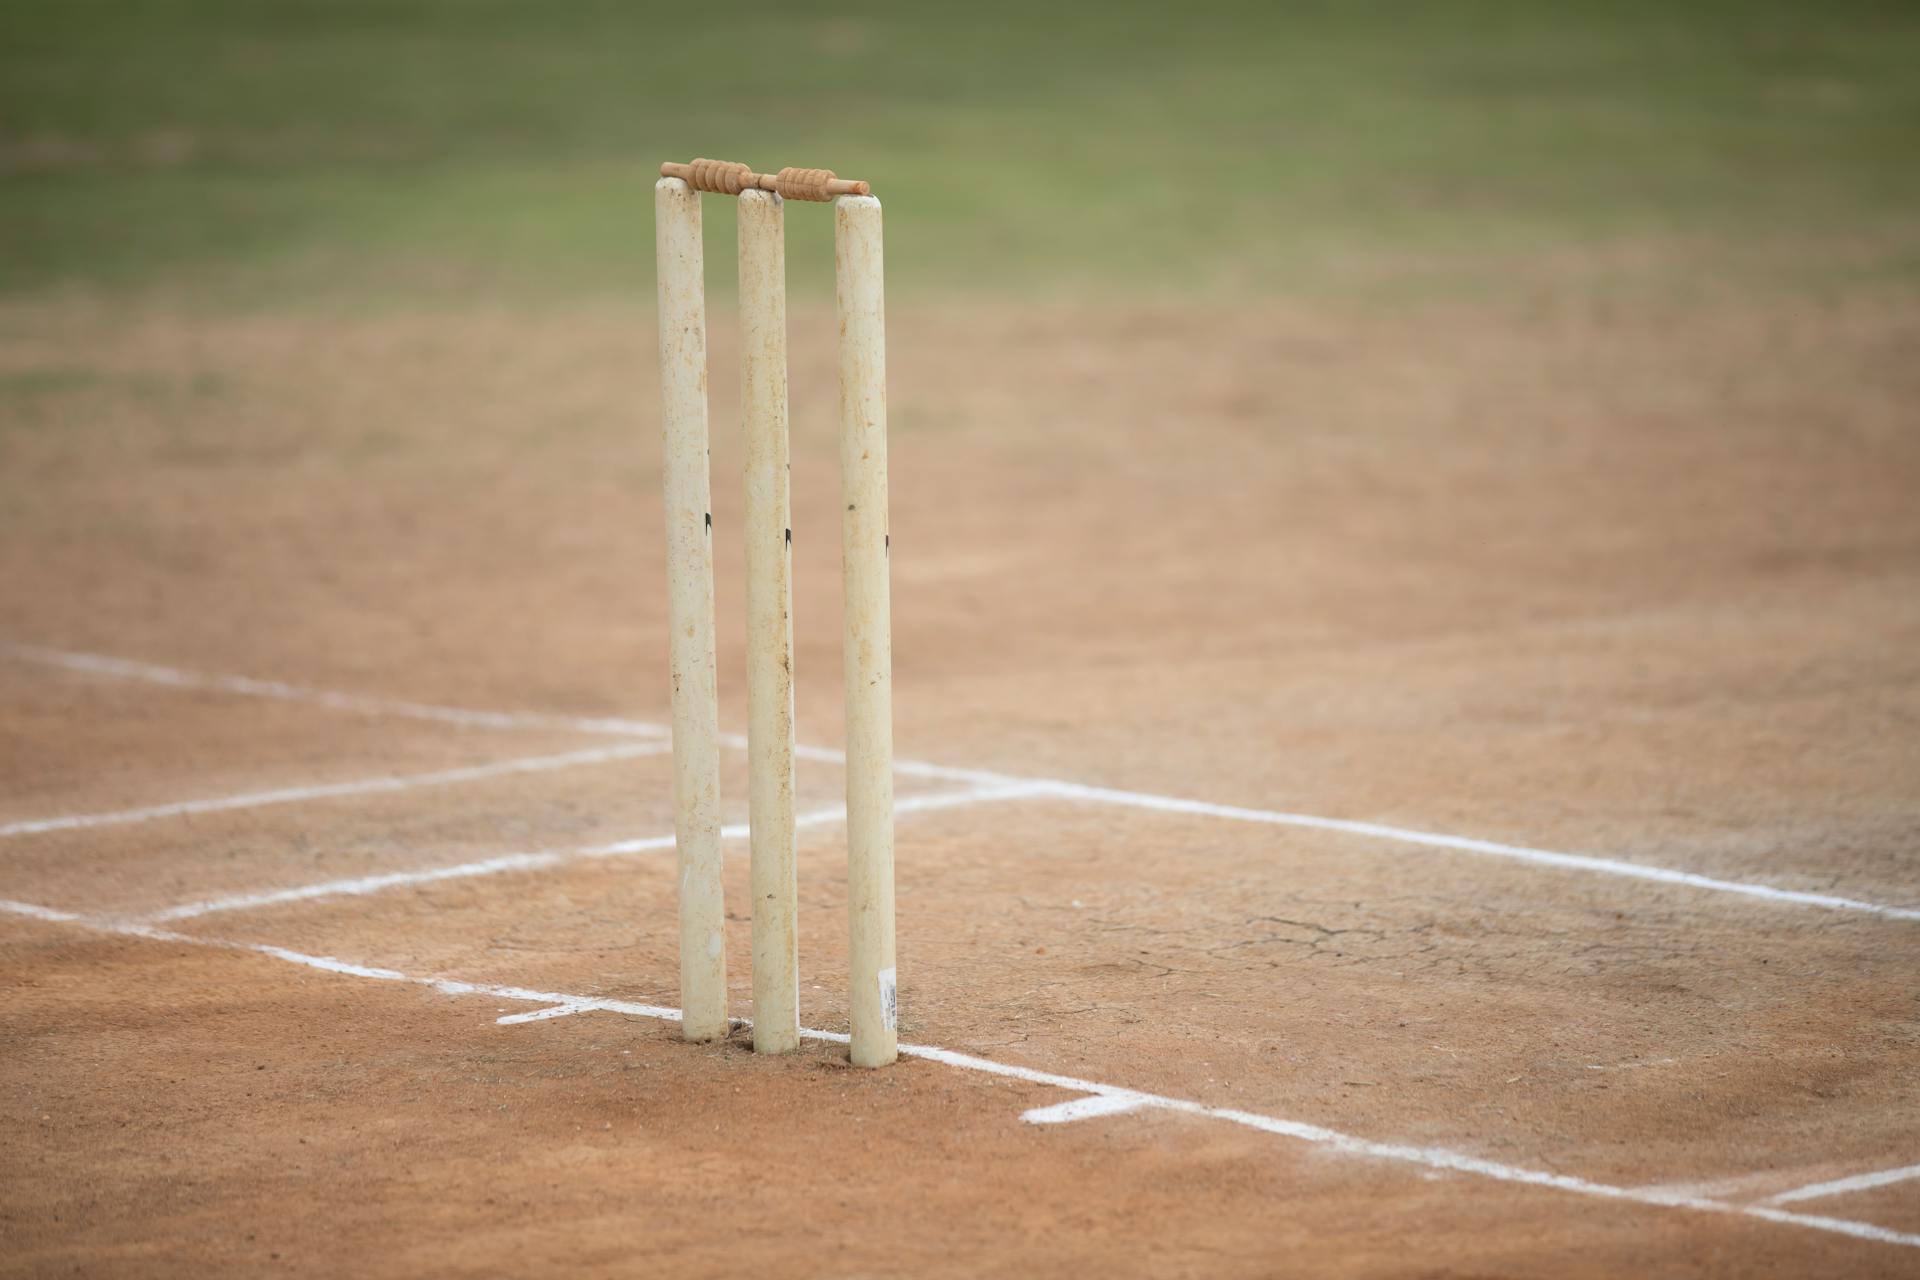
(696, 711)
(868, 641)
(769, 538)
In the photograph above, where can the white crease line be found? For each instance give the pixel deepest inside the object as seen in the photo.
(1843, 1226)
(1736, 1186)
(1840, 1186)
(38, 912)
(330, 790)
(153, 673)
(361, 885)
(1429, 1157)
(1438, 1158)
(541, 1015)
(356, 887)
(1467, 844)
(1087, 1108)
(915, 768)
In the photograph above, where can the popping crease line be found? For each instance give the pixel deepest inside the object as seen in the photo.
(534, 861)
(541, 1015)
(1121, 1099)
(154, 673)
(97, 664)
(1735, 1187)
(1468, 844)
(1088, 1108)
(1841, 1186)
(179, 677)
(330, 790)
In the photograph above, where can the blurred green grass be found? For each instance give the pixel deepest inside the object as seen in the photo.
(282, 148)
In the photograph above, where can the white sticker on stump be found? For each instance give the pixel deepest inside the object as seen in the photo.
(889, 1000)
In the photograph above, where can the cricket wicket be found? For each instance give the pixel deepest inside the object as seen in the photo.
(867, 636)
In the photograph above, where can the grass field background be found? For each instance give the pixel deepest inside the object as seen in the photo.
(263, 152)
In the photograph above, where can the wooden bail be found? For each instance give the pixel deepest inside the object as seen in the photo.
(730, 178)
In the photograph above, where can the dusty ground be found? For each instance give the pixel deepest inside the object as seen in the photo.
(1636, 580)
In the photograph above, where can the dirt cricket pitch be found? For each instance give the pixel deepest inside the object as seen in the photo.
(1611, 614)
